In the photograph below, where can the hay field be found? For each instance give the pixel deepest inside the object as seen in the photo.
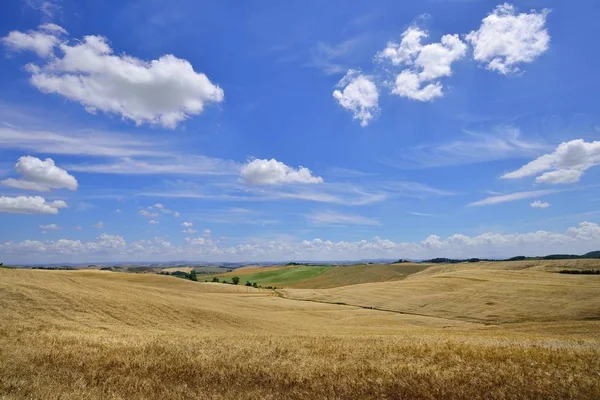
(501, 292)
(106, 335)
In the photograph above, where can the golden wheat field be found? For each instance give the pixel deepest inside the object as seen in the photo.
(511, 331)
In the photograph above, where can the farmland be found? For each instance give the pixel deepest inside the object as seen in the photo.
(478, 331)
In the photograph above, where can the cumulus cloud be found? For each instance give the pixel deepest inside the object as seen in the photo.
(207, 232)
(153, 222)
(30, 205)
(273, 172)
(358, 93)
(148, 214)
(564, 165)
(539, 204)
(163, 92)
(41, 41)
(40, 176)
(187, 224)
(577, 239)
(189, 231)
(507, 39)
(426, 63)
(99, 225)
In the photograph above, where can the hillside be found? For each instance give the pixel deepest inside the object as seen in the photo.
(486, 292)
(108, 335)
(324, 276)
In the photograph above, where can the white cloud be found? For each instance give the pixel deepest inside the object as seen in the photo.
(30, 205)
(326, 57)
(578, 239)
(407, 50)
(187, 224)
(426, 63)
(420, 214)
(500, 143)
(78, 228)
(335, 218)
(195, 241)
(41, 41)
(99, 225)
(189, 231)
(273, 172)
(565, 165)
(50, 227)
(118, 211)
(207, 232)
(507, 39)
(46, 7)
(512, 197)
(539, 204)
(358, 94)
(41, 176)
(415, 189)
(153, 222)
(163, 92)
(148, 214)
(79, 142)
(159, 206)
(176, 214)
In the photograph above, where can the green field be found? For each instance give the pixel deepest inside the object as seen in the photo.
(278, 276)
(322, 277)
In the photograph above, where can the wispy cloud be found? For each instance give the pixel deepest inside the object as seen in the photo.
(415, 189)
(328, 57)
(78, 142)
(420, 214)
(338, 172)
(173, 164)
(501, 143)
(512, 197)
(335, 218)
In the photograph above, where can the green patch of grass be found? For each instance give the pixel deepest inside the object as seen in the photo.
(280, 277)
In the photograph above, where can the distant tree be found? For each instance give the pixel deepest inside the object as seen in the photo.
(193, 276)
(255, 285)
(248, 283)
(215, 279)
(235, 280)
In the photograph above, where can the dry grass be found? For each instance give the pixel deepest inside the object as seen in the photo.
(515, 293)
(102, 335)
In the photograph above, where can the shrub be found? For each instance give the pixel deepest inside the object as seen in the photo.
(235, 280)
(248, 283)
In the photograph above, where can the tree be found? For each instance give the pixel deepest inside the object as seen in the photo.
(193, 276)
(215, 279)
(235, 280)
(248, 283)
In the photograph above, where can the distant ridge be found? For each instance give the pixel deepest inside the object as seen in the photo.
(590, 255)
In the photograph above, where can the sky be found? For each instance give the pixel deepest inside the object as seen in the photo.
(262, 130)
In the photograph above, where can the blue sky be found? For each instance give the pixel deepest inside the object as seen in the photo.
(220, 131)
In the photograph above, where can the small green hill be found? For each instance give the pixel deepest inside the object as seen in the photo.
(284, 276)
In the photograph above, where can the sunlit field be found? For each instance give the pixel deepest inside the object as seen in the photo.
(111, 335)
